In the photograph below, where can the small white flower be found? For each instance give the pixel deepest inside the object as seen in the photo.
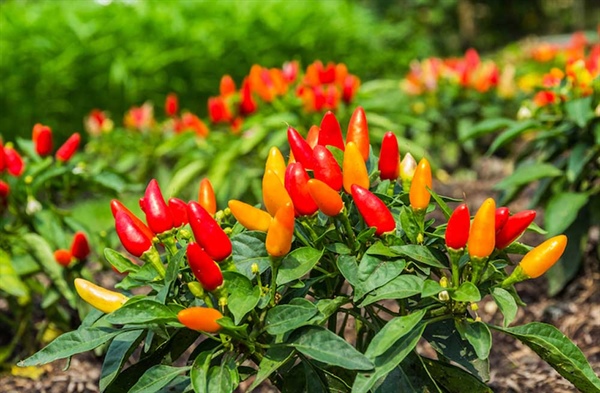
(524, 113)
(33, 206)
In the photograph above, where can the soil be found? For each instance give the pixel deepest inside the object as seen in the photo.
(514, 367)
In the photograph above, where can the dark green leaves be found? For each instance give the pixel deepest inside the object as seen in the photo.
(297, 263)
(142, 311)
(325, 346)
(558, 351)
(287, 317)
(243, 296)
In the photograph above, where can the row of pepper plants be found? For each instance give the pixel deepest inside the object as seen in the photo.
(331, 287)
(41, 232)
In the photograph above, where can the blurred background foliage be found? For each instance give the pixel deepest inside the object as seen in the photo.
(59, 59)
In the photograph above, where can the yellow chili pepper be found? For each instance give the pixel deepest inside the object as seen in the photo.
(281, 232)
(354, 169)
(249, 216)
(101, 298)
(274, 193)
(482, 236)
(276, 163)
(419, 195)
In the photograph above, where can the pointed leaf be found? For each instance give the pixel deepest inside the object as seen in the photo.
(157, 377)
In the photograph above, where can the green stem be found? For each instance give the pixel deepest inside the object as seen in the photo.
(275, 262)
(455, 256)
(152, 256)
(343, 218)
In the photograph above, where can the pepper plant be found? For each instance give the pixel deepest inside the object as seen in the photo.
(556, 143)
(328, 285)
(43, 247)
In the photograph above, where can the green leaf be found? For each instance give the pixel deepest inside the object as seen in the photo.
(526, 174)
(199, 372)
(418, 253)
(443, 205)
(580, 110)
(558, 351)
(401, 287)
(446, 340)
(271, 362)
(478, 334)
(510, 134)
(220, 379)
(466, 292)
(374, 271)
(248, 249)
(71, 343)
(506, 303)
(325, 346)
(42, 252)
(570, 262)
(11, 283)
(393, 331)
(297, 263)
(243, 296)
(409, 224)
(111, 181)
(287, 317)
(349, 268)
(455, 379)
(562, 210)
(119, 350)
(156, 378)
(120, 262)
(141, 311)
(581, 154)
(484, 127)
(386, 362)
(431, 288)
(184, 176)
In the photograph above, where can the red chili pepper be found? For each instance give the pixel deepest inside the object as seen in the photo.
(331, 132)
(116, 206)
(514, 227)
(373, 210)
(206, 196)
(208, 233)
(354, 169)
(457, 231)
(68, 149)
(2, 158)
(171, 105)
(14, 162)
(4, 192)
(501, 217)
(178, 211)
(389, 157)
(296, 180)
(206, 271)
(158, 214)
(134, 238)
(327, 199)
(247, 104)
(274, 193)
(276, 163)
(358, 132)
(349, 88)
(80, 247)
(281, 232)
(326, 168)
(300, 149)
(63, 257)
(42, 139)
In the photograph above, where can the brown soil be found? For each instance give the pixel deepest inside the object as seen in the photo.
(514, 367)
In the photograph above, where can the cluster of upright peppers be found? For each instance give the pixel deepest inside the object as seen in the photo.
(492, 231)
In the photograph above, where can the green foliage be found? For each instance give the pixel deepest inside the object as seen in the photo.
(72, 57)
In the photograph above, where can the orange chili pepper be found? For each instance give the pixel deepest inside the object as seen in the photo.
(327, 199)
(537, 261)
(482, 236)
(419, 195)
(354, 169)
(200, 318)
(281, 231)
(206, 196)
(249, 216)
